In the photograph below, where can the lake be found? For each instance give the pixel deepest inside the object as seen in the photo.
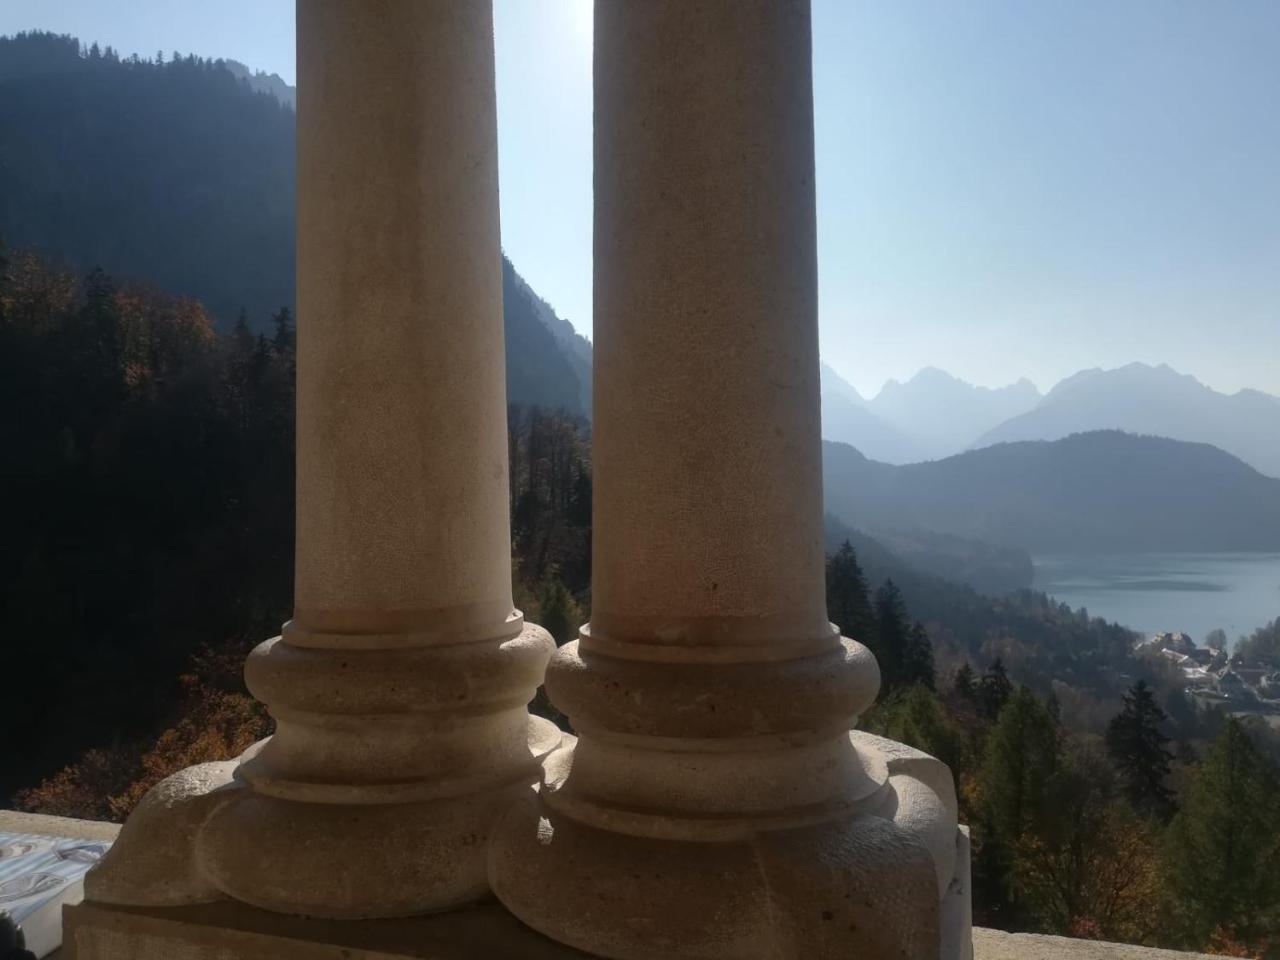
(1155, 592)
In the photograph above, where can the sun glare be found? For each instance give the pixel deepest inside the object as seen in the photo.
(580, 16)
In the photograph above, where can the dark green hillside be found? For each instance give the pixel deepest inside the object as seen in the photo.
(1095, 492)
(177, 173)
(542, 369)
(181, 175)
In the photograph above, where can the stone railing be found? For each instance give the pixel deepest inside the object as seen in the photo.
(987, 944)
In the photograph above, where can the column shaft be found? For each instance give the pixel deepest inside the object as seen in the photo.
(707, 454)
(715, 803)
(400, 686)
(402, 447)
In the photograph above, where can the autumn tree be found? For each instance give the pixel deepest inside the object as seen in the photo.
(1085, 863)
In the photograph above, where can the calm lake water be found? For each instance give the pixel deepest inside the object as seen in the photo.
(1154, 592)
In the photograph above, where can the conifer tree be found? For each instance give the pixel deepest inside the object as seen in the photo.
(241, 335)
(1138, 749)
(282, 320)
(917, 718)
(965, 683)
(1222, 850)
(558, 613)
(1021, 757)
(1015, 787)
(994, 690)
(892, 637)
(918, 662)
(848, 605)
(4, 276)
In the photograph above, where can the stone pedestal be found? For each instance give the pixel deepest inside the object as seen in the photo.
(399, 688)
(716, 803)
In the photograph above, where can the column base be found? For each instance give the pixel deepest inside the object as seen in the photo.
(889, 879)
(204, 834)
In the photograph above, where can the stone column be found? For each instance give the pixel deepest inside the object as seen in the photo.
(400, 686)
(716, 803)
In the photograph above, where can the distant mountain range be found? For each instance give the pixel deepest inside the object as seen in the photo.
(269, 83)
(930, 416)
(1154, 400)
(1099, 492)
(935, 415)
(182, 174)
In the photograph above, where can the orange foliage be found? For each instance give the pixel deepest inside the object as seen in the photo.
(213, 724)
(1222, 945)
(216, 726)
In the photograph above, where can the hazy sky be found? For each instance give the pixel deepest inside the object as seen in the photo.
(1004, 188)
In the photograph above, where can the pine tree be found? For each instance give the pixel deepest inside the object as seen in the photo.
(4, 276)
(917, 718)
(558, 613)
(1015, 786)
(283, 339)
(994, 690)
(847, 604)
(241, 335)
(1054, 706)
(918, 661)
(965, 683)
(1138, 749)
(1222, 851)
(1019, 762)
(892, 637)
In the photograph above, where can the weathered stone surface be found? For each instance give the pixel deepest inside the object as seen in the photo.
(998, 945)
(233, 931)
(17, 821)
(153, 861)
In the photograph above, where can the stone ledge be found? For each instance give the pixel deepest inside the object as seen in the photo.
(225, 930)
(999, 945)
(14, 821)
(229, 930)
(220, 931)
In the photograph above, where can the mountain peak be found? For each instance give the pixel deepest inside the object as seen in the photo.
(837, 385)
(1154, 400)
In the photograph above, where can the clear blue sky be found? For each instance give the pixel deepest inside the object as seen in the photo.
(1005, 188)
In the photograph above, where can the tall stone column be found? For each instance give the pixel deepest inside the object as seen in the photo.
(716, 803)
(400, 686)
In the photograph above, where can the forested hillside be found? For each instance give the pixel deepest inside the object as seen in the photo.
(173, 173)
(147, 504)
(1089, 493)
(148, 500)
(180, 174)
